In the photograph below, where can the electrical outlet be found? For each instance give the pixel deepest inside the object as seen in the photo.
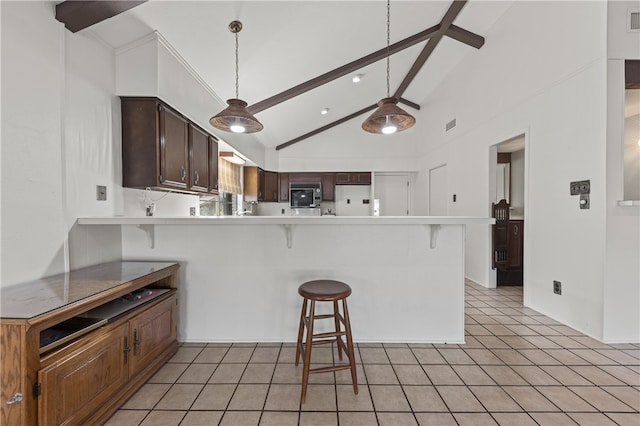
(282, 211)
(101, 193)
(192, 211)
(557, 287)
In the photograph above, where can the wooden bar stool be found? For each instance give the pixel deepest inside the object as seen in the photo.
(324, 291)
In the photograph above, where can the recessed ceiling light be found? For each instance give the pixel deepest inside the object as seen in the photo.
(356, 78)
(324, 111)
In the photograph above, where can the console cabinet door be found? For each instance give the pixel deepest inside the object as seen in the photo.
(152, 331)
(199, 160)
(77, 385)
(174, 150)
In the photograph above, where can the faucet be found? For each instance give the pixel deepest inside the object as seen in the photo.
(241, 212)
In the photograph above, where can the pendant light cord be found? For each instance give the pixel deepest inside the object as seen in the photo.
(237, 95)
(388, 41)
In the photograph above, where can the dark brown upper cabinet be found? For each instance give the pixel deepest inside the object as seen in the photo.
(261, 185)
(283, 184)
(328, 184)
(353, 178)
(162, 149)
(271, 187)
(199, 157)
(253, 181)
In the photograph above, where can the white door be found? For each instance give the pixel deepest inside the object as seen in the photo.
(438, 191)
(393, 192)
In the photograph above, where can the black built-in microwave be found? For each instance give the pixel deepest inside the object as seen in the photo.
(305, 195)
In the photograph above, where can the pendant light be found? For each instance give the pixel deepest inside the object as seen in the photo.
(235, 118)
(389, 117)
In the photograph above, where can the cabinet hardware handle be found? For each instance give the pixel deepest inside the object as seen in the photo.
(183, 173)
(197, 176)
(136, 342)
(515, 230)
(126, 349)
(15, 398)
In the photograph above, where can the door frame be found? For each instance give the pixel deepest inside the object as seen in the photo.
(429, 188)
(492, 169)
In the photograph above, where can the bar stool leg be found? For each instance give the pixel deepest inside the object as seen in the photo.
(336, 320)
(350, 353)
(301, 330)
(307, 351)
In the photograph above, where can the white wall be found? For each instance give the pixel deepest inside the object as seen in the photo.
(58, 136)
(532, 82)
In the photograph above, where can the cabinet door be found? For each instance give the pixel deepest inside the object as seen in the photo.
(271, 187)
(152, 331)
(361, 178)
(283, 184)
(343, 178)
(77, 385)
(174, 150)
(251, 183)
(213, 165)
(199, 160)
(515, 235)
(328, 187)
(262, 184)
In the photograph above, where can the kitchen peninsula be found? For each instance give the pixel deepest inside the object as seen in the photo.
(241, 274)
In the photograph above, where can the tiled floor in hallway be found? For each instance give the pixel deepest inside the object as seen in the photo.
(517, 368)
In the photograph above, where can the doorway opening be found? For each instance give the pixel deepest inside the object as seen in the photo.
(507, 197)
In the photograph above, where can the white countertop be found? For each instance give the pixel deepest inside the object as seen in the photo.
(286, 220)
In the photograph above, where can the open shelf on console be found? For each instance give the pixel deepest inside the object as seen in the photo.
(75, 327)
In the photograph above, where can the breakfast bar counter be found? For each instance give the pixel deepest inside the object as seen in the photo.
(240, 274)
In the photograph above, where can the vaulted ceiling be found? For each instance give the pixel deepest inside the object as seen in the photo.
(298, 57)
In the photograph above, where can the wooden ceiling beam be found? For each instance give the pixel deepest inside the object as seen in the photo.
(445, 24)
(343, 70)
(409, 103)
(464, 36)
(77, 15)
(444, 28)
(340, 121)
(326, 127)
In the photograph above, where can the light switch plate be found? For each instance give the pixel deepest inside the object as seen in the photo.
(101, 192)
(585, 203)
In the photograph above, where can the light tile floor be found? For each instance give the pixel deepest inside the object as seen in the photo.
(518, 367)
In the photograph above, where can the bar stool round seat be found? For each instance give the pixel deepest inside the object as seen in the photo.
(324, 291)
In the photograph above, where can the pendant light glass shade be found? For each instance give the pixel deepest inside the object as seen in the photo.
(388, 118)
(235, 118)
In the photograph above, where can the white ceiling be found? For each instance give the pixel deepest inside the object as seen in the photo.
(285, 43)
